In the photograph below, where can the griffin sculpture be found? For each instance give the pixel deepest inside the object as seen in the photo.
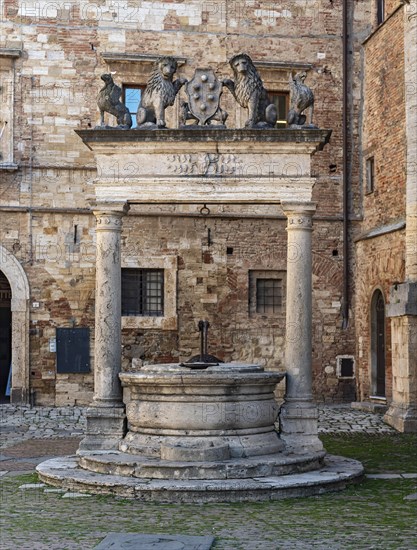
(108, 101)
(301, 99)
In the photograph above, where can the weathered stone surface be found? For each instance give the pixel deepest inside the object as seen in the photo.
(142, 467)
(133, 541)
(402, 300)
(337, 474)
(106, 426)
(227, 406)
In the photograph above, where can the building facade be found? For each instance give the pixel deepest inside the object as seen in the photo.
(386, 247)
(181, 264)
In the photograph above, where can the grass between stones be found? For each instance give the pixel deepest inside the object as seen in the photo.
(372, 515)
(379, 453)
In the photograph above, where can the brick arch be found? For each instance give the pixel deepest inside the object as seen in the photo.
(19, 284)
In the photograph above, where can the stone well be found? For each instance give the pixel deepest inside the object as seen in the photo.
(202, 436)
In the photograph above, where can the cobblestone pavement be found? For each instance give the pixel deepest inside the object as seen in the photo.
(21, 423)
(23, 431)
(344, 419)
(378, 514)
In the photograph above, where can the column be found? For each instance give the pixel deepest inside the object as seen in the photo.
(106, 417)
(299, 415)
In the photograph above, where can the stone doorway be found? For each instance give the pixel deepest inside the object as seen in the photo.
(378, 345)
(18, 284)
(5, 335)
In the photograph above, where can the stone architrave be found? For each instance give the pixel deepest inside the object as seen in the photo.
(299, 415)
(106, 417)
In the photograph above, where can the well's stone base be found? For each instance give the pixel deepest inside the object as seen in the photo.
(220, 447)
(336, 474)
(106, 426)
(402, 418)
(122, 464)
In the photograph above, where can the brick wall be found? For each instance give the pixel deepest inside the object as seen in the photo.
(380, 261)
(384, 123)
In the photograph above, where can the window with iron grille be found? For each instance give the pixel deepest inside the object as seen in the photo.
(266, 292)
(268, 295)
(142, 292)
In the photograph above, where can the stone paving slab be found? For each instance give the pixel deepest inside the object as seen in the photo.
(129, 541)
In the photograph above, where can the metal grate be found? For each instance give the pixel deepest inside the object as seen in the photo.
(142, 292)
(73, 350)
(268, 295)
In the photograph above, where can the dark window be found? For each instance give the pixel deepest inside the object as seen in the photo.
(143, 292)
(380, 9)
(281, 100)
(346, 367)
(370, 175)
(268, 295)
(132, 94)
(72, 350)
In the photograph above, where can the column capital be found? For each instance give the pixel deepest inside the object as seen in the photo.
(121, 207)
(299, 214)
(109, 215)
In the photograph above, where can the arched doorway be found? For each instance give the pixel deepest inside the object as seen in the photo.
(378, 344)
(17, 280)
(5, 337)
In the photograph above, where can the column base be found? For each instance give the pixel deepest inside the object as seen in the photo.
(299, 426)
(402, 417)
(19, 396)
(106, 427)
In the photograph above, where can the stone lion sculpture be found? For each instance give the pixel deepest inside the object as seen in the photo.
(301, 99)
(108, 101)
(160, 93)
(250, 93)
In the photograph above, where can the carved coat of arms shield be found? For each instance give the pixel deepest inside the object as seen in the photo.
(204, 91)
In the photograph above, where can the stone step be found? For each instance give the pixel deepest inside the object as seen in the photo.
(123, 464)
(336, 474)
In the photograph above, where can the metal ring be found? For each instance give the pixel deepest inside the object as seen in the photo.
(204, 211)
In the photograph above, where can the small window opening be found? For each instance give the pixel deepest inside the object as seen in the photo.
(380, 11)
(281, 101)
(370, 175)
(132, 94)
(142, 292)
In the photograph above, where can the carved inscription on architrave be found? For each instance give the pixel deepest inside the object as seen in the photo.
(207, 164)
